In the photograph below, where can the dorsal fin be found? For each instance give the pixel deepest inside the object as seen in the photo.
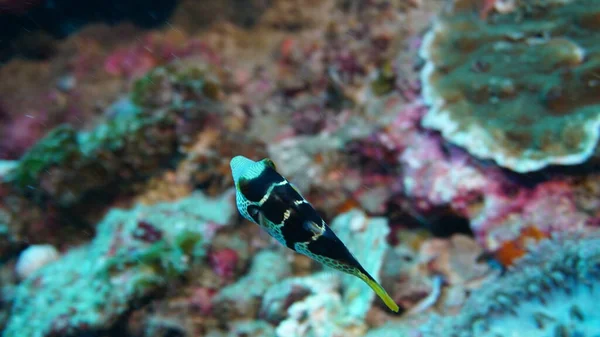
(314, 228)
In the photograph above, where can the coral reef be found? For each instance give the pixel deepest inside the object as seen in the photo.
(550, 291)
(519, 87)
(248, 328)
(497, 206)
(124, 169)
(66, 165)
(134, 253)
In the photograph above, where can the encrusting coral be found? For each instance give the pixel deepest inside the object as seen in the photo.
(520, 87)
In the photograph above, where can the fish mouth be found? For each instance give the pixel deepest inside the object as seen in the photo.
(239, 165)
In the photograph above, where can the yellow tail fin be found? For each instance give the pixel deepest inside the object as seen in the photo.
(380, 292)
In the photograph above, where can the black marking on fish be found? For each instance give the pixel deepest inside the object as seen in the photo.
(309, 213)
(256, 188)
(329, 245)
(282, 198)
(293, 230)
(274, 209)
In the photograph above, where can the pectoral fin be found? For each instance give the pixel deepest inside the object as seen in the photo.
(315, 229)
(262, 221)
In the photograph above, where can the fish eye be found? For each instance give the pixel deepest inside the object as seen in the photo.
(270, 163)
(254, 212)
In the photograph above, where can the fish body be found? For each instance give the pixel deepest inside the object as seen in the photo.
(265, 197)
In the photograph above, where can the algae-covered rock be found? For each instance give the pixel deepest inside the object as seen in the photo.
(134, 253)
(57, 147)
(67, 165)
(520, 87)
(176, 85)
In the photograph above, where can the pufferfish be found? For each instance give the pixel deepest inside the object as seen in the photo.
(265, 197)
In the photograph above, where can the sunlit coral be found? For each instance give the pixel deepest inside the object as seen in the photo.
(518, 90)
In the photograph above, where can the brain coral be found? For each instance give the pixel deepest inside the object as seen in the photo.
(521, 87)
(552, 291)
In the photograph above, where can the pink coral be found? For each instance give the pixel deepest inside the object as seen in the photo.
(21, 133)
(309, 119)
(550, 207)
(129, 62)
(224, 262)
(153, 50)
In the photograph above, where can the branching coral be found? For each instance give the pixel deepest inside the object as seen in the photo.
(522, 87)
(551, 291)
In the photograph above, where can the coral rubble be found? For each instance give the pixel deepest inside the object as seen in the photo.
(519, 87)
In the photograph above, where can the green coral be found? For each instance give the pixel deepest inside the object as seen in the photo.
(90, 287)
(521, 87)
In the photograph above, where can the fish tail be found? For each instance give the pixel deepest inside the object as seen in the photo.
(378, 289)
